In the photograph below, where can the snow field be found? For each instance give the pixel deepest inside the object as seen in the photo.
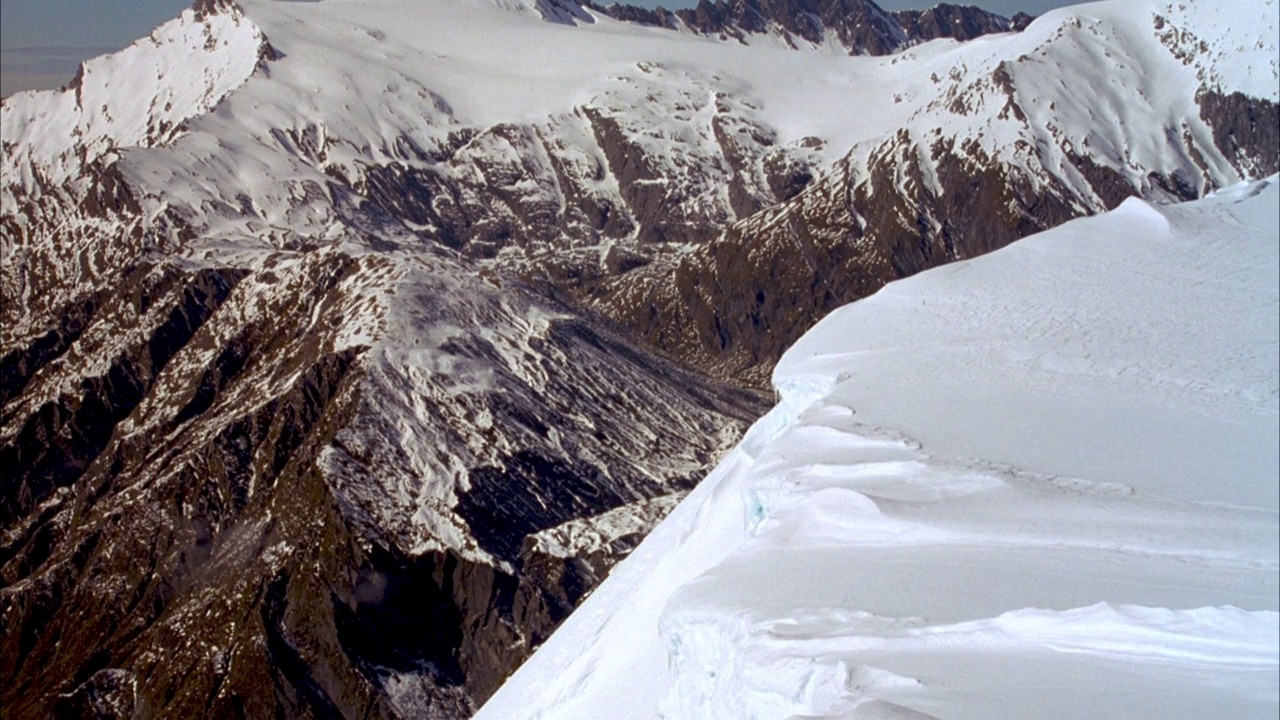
(1038, 484)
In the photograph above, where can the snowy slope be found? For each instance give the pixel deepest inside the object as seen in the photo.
(366, 84)
(137, 97)
(1042, 483)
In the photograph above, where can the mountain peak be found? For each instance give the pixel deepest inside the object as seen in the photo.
(136, 97)
(213, 7)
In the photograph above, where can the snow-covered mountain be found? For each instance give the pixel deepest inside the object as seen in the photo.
(964, 148)
(349, 343)
(1042, 483)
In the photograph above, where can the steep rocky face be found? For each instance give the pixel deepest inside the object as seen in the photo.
(1245, 129)
(69, 216)
(220, 519)
(518, 188)
(958, 22)
(744, 298)
(300, 484)
(860, 26)
(929, 196)
(738, 302)
(652, 17)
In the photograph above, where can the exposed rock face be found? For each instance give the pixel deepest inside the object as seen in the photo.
(69, 216)
(958, 22)
(744, 298)
(860, 26)
(925, 197)
(739, 301)
(653, 17)
(298, 482)
(344, 422)
(230, 464)
(1020, 21)
(1245, 129)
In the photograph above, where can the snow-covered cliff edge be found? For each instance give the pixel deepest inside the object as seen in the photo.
(1038, 484)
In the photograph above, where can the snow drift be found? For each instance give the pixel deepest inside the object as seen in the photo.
(1042, 483)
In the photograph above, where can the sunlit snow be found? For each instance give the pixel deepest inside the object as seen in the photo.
(1042, 483)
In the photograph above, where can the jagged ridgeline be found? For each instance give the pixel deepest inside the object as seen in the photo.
(344, 348)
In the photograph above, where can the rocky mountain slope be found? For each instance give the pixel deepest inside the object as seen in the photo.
(346, 345)
(1013, 138)
(858, 26)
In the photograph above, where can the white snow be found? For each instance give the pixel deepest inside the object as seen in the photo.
(583, 536)
(1042, 483)
(1239, 53)
(139, 96)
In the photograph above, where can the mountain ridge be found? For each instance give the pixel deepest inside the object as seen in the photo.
(994, 473)
(860, 27)
(357, 313)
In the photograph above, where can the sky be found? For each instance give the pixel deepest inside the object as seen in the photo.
(43, 41)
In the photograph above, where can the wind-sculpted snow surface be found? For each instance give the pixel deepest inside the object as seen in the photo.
(1042, 483)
